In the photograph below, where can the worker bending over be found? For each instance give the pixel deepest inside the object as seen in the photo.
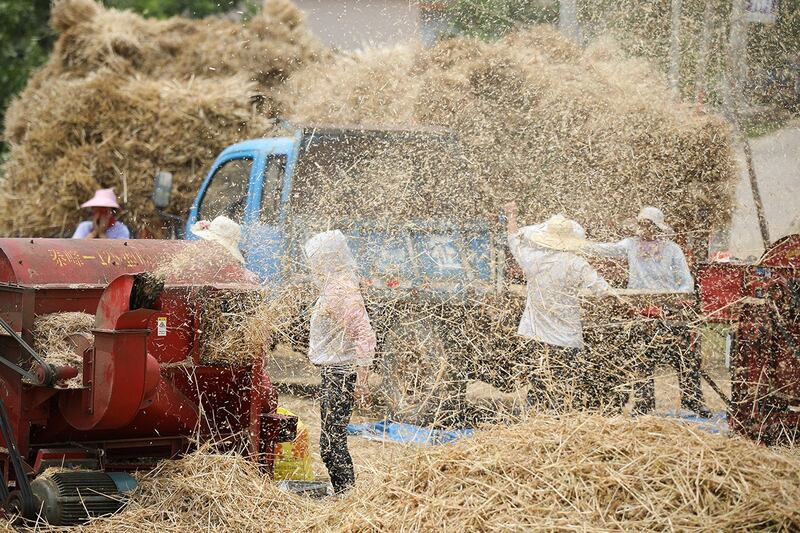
(551, 320)
(342, 344)
(657, 263)
(104, 224)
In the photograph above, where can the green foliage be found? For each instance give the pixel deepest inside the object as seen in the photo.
(186, 8)
(490, 19)
(25, 41)
(775, 51)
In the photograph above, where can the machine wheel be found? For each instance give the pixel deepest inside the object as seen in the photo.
(420, 384)
(15, 506)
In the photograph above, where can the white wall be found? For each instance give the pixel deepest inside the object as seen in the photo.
(351, 24)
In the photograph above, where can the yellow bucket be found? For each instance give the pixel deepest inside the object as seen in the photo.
(292, 459)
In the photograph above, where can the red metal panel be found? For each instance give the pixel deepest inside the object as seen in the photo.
(784, 252)
(721, 287)
(766, 362)
(82, 300)
(119, 385)
(91, 262)
(174, 342)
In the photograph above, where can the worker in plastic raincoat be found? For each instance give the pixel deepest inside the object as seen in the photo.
(657, 263)
(342, 344)
(551, 320)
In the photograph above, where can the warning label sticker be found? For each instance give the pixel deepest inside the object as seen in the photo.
(162, 326)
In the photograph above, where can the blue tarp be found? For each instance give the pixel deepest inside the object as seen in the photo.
(718, 423)
(386, 430)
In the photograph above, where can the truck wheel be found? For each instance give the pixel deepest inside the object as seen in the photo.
(420, 384)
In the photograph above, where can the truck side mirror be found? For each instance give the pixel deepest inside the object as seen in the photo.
(162, 189)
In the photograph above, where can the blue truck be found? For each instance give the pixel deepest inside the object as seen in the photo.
(433, 271)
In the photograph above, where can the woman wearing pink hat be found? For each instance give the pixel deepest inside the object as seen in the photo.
(103, 224)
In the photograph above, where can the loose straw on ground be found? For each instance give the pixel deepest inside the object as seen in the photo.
(582, 472)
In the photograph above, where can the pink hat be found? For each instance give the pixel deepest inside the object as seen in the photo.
(103, 198)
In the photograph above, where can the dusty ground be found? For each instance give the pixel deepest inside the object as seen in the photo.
(778, 172)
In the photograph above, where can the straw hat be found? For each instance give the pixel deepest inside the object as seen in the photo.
(656, 216)
(222, 230)
(560, 233)
(103, 198)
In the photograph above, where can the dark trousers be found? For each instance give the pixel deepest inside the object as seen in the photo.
(556, 382)
(673, 346)
(336, 405)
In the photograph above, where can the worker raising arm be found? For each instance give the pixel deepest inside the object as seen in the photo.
(551, 319)
(103, 224)
(342, 344)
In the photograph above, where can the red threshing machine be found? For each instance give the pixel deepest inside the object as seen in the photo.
(763, 300)
(144, 392)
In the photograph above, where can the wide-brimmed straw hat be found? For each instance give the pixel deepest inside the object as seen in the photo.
(656, 216)
(103, 198)
(222, 230)
(559, 233)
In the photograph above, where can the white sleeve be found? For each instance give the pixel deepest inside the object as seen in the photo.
(680, 269)
(616, 250)
(515, 245)
(591, 280)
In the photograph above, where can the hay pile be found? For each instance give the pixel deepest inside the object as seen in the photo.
(577, 472)
(590, 133)
(123, 97)
(50, 333)
(204, 492)
(50, 340)
(580, 472)
(234, 326)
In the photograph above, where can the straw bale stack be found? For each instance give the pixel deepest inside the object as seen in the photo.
(123, 97)
(591, 133)
(268, 47)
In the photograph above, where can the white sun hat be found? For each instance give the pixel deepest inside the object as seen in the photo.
(223, 231)
(560, 233)
(656, 216)
(328, 251)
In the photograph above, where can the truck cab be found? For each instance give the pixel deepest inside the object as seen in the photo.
(281, 190)
(251, 182)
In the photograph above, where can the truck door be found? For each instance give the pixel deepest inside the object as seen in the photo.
(226, 192)
(263, 238)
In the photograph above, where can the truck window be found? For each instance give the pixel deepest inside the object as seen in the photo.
(227, 192)
(270, 209)
(378, 177)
